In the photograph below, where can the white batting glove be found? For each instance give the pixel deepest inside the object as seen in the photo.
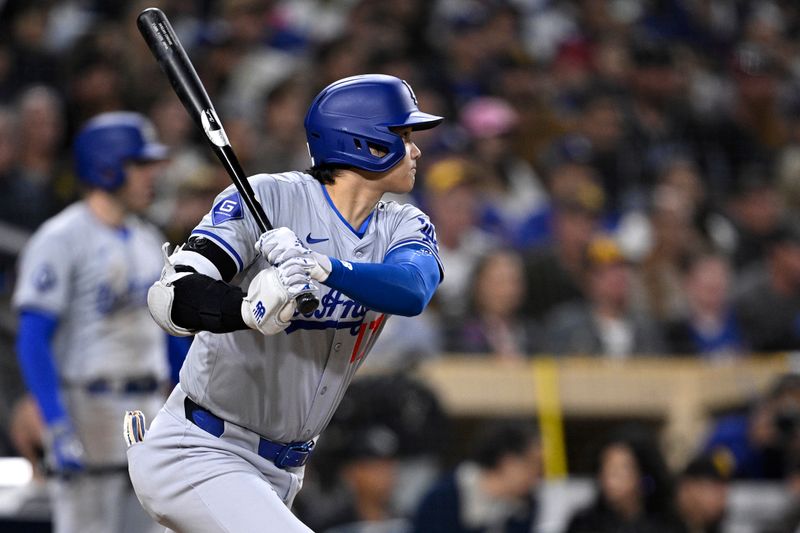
(270, 301)
(318, 266)
(279, 245)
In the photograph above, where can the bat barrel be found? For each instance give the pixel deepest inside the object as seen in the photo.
(166, 48)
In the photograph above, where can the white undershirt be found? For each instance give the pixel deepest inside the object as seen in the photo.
(616, 336)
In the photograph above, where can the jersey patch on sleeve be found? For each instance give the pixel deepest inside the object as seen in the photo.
(229, 208)
(45, 278)
(428, 233)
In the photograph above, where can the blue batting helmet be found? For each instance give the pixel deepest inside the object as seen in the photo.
(108, 141)
(353, 114)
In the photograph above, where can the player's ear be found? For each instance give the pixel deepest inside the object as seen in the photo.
(377, 150)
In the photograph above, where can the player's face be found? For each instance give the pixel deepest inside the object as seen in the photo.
(139, 189)
(400, 178)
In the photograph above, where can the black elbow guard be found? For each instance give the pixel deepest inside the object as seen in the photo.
(203, 303)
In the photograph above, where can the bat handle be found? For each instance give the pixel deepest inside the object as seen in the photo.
(306, 302)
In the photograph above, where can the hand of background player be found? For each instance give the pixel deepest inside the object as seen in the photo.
(280, 245)
(66, 449)
(270, 301)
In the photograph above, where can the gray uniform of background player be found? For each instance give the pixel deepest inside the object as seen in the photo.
(94, 279)
(284, 387)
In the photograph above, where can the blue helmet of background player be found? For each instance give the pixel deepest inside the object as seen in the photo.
(110, 140)
(353, 114)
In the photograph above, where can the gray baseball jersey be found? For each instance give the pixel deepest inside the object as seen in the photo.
(287, 386)
(94, 278)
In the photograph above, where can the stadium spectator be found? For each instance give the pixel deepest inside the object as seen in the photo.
(757, 212)
(338, 58)
(768, 303)
(41, 137)
(367, 472)
(603, 324)
(788, 161)
(555, 267)
(656, 119)
(711, 228)
(22, 203)
(191, 199)
(452, 201)
(188, 159)
(657, 288)
(386, 435)
(710, 327)
(281, 143)
(492, 492)
(701, 495)
(750, 124)
(600, 135)
(634, 491)
(32, 62)
(765, 442)
(522, 84)
(510, 191)
(493, 324)
(757, 72)
(789, 521)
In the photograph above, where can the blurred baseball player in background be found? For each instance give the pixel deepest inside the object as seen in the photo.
(261, 380)
(87, 346)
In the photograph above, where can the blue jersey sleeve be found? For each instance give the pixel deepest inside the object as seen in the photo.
(402, 285)
(35, 354)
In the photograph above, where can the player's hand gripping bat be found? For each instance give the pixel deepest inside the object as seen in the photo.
(164, 44)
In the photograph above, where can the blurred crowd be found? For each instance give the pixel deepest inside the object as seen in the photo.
(613, 178)
(380, 470)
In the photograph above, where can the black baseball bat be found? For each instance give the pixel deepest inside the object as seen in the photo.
(167, 49)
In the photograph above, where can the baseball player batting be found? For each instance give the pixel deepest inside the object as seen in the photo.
(262, 380)
(87, 346)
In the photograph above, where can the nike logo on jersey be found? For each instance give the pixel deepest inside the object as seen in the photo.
(312, 240)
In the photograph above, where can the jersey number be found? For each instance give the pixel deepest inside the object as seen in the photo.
(358, 352)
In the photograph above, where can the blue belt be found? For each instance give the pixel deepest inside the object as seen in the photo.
(289, 455)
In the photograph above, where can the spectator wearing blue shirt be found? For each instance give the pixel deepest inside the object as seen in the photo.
(493, 492)
(710, 327)
(764, 443)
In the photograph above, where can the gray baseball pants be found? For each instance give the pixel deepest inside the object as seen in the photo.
(193, 482)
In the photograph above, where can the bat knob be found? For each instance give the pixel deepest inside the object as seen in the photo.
(306, 303)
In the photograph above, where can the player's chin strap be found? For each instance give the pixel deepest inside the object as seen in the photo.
(162, 294)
